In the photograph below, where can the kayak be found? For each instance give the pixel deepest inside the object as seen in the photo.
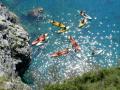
(40, 39)
(60, 53)
(97, 52)
(40, 43)
(88, 17)
(85, 15)
(58, 24)
(63, 30)
(74, 44)
(81, 24)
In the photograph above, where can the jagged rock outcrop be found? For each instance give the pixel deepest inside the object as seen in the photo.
(14, 51)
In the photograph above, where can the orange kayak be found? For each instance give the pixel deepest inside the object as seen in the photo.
(40, 39)
(74, 44)
(60, 53)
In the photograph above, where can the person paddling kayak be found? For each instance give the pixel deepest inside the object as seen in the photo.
(96, 51)
(40, 39)
(60, 53)
(74, 44)
(63, 27)
(63, 30)
(58, 24)
(83, 14)
(83, 22)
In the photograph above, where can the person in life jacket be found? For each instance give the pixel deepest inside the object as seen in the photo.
(56, 23)
(83, 22)
(84, 15)
(63, 30)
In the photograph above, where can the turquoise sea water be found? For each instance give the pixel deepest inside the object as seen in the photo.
(102, 32)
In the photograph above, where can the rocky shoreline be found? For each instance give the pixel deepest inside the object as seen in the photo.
(14, 51)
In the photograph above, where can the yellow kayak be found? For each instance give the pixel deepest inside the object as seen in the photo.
(62, 31)
(58, 24)
(82, 23)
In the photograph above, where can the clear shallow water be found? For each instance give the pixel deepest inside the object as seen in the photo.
(102, 32)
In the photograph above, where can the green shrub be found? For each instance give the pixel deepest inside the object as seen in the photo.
(3, 79)
(104, 79)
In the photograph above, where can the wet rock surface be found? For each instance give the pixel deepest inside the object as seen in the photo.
(14, 51)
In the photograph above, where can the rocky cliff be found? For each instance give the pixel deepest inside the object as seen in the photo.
(14, 51)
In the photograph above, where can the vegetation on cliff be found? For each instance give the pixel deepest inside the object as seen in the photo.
(103, 79)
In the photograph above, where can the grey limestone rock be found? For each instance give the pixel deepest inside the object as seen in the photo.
(14, 51)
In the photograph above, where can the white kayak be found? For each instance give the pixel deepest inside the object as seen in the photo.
(88, 17)
(97, 52)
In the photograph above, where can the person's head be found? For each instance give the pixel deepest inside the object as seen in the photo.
(66, 28)
(93, 53)
(82, 12)
(83, 21)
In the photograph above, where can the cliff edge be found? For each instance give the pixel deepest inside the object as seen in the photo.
(14, 51)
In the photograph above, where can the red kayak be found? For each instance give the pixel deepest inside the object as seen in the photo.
(60, 53)
(74, 43)
(40, 39)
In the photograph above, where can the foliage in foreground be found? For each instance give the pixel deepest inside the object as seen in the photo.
(104, 79)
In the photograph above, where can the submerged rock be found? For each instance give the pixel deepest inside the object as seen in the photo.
(35, 12)
(14, 51)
